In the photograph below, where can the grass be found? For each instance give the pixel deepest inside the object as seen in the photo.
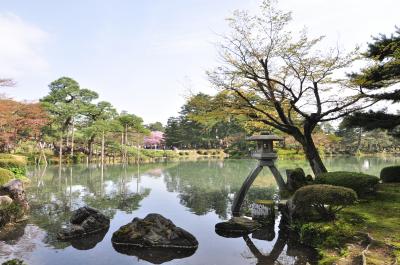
(381, 214)
(378, 216)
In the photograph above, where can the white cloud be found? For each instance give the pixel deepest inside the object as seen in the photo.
(21, 48)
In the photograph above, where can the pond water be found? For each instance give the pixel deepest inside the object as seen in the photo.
(195, 195)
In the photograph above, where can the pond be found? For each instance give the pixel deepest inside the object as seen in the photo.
(195, 195)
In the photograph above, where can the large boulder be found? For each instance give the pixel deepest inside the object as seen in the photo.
(296, 178)
(236, 227)
(154, 231)
(15, 190)
(85, 221)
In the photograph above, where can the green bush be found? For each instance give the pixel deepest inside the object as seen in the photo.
(17, 166)
(326, 200)
(359, 182)
(390, 174)
(5, 176)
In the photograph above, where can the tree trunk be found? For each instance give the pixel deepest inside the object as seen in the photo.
(42, 153)
(60, 150)
(312, 155)
(358, 147)
(126, 145)
(122, 147)
(138, 157)
(72, 138)
(102, 148)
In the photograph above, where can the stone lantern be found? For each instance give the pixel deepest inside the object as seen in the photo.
(265, 146)
(266, 156)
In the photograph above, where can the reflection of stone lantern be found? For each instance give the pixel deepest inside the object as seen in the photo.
(266, 156)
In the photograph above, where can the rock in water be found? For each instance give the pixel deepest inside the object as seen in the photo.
(236, 227)
(154, 231)
(85, 221)
(15, 190)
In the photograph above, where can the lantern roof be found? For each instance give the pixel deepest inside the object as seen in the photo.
(264, 137)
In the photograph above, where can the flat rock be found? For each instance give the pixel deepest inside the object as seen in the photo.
(236, 226)
(154, 231)
(85, 221)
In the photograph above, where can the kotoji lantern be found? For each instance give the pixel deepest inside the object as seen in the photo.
(266, 156)
(265, 146)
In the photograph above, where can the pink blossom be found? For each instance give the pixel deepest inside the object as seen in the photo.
(155, 138)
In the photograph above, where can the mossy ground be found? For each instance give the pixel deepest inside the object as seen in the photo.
(378, 216)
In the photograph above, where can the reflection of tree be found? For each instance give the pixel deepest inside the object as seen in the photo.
(201, 203)
(209, 185)
(110, 203)
(56, 192)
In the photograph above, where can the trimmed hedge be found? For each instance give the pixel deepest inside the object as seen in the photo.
(359, 182)
(390, 174)
(5, 176)
(326, 200)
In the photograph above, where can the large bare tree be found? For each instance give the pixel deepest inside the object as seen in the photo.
(287, 81)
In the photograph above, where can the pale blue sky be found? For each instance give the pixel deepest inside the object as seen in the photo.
(144, 55)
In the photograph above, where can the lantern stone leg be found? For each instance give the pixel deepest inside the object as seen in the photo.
(239, 197)
(266, 157)
(278, 177)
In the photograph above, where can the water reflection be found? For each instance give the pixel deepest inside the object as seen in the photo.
(57, 192)
(194, 195)
(155, 255)
(89, 241)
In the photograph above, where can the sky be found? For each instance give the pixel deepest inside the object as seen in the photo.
(147, 56)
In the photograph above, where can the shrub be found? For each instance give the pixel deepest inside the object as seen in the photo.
(326, 200)
(390, 174)
(5, 176)
(359, 182)
(170, 154)
(17, 166)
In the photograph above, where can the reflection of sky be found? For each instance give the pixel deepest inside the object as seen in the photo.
(213, 249)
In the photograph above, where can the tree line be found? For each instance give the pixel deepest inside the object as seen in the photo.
(71, 122)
